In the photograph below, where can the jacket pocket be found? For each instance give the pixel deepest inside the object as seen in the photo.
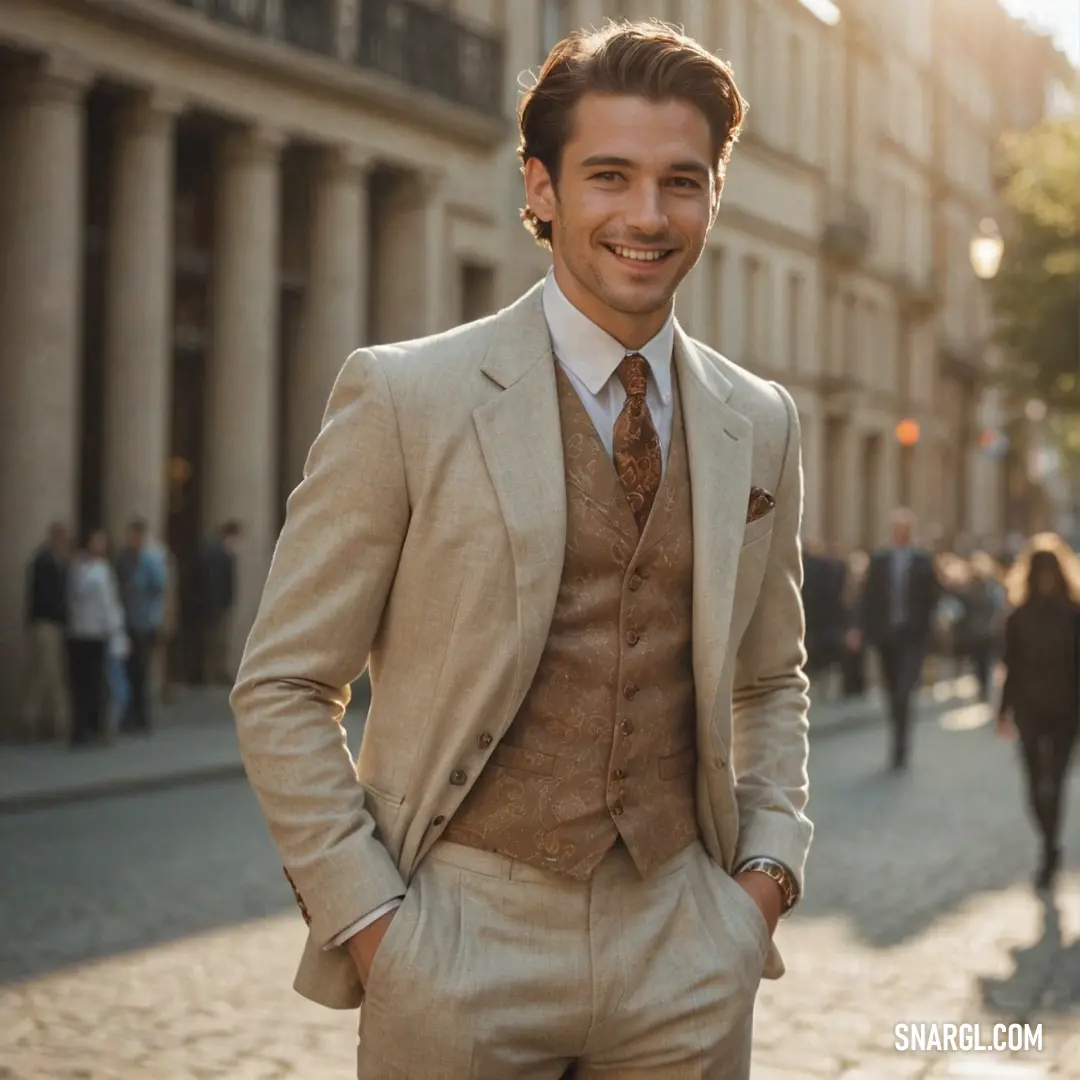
(523, 760)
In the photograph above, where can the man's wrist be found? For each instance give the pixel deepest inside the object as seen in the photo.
(778, 873)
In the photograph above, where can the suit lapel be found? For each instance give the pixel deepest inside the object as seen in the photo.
(719, 444)
(521, 441)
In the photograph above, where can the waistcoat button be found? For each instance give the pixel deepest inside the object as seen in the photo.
(458, 777)
(619, 774)
(632, 637)
(635, 582)
(616, 807)
(438, 819)
(484, 741)
(629, 690)
(626, 727)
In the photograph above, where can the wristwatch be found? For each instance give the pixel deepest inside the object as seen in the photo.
(779, 873)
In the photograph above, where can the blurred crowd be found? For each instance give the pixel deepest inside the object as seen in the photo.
(99, 621)
(966, 626)
(903, 616)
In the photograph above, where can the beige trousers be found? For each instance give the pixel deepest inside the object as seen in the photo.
(44, 689)
(495, 970)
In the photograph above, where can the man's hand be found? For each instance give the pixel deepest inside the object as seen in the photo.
(364, 945)
(765, 892)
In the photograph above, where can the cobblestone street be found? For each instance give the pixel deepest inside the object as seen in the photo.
(154, 936)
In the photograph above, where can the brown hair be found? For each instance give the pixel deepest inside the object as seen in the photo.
(645, 59)
(1037, 553)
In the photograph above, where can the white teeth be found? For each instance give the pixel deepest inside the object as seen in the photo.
(635, 253)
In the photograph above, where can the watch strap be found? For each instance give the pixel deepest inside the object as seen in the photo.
(779, 873)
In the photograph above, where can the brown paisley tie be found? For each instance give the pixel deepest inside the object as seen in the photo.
(636, 445)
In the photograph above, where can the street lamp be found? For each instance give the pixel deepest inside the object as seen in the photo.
(986, 249)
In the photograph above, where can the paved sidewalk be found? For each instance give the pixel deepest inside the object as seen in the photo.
(194, 742)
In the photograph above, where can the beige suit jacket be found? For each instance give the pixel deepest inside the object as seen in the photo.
(426, 540)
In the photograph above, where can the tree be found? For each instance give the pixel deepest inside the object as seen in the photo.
(1036, 293)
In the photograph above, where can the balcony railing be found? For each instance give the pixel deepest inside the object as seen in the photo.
(920, 293)
(431, 50)
(425, 48)
(847, 234)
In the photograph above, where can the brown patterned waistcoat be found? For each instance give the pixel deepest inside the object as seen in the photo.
(604, 745)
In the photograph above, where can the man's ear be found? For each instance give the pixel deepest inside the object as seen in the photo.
(718, 190)
(540, 190)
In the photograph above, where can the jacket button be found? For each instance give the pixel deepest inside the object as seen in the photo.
(619, 774)
(484, 741)
(616, 807)
(629, 690)
(632, 637)
(438, 819)
(458, 777)
(635, 582)
(626, 727)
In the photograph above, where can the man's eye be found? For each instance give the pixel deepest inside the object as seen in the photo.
(686, 181)
(606, 176)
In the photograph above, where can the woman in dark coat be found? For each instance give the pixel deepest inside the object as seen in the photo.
(1042, 683)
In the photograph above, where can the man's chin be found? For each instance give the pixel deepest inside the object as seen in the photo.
(640, 301)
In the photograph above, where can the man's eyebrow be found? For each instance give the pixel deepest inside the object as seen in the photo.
(614, 161)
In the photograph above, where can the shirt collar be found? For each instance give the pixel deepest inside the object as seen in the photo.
(593, 354)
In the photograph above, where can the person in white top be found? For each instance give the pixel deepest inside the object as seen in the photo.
(95, 620)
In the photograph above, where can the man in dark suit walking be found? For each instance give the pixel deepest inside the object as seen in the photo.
(896, 618)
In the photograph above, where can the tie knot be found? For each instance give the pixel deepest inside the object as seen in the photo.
(633, 374)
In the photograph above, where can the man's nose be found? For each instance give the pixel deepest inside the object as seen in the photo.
(646, 211)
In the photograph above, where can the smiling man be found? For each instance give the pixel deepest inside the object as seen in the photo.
(565, 540)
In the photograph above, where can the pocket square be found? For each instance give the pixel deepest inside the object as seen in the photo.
(761, 502)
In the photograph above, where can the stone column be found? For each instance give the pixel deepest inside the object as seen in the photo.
(41, 270)
(240, 461)
(434, 251)
(335, 308)
(138, 316)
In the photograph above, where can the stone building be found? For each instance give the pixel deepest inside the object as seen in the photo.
(206, 204)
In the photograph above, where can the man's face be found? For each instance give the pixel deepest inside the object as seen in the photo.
(98, 543)
(901, 533)
(633, 205)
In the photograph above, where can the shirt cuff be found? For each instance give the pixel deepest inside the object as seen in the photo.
(364, 923)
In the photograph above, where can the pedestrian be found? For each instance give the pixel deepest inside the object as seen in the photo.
(896, 618)
(215, 595)
(44, 687)
(567, 539)
(95, 617)
(1041, 693)
(116, 678)
(853, 657)
(143, 573)
(984, 614)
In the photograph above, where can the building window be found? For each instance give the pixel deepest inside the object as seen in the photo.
(477, 284)
(794, 320)
(795, 94)
(851, 337)
(753, 281)
(554, 24)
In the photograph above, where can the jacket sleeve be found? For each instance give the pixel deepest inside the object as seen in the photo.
(322, 605)
(770, 695)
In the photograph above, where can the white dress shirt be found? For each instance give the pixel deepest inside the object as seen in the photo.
(589, 356)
